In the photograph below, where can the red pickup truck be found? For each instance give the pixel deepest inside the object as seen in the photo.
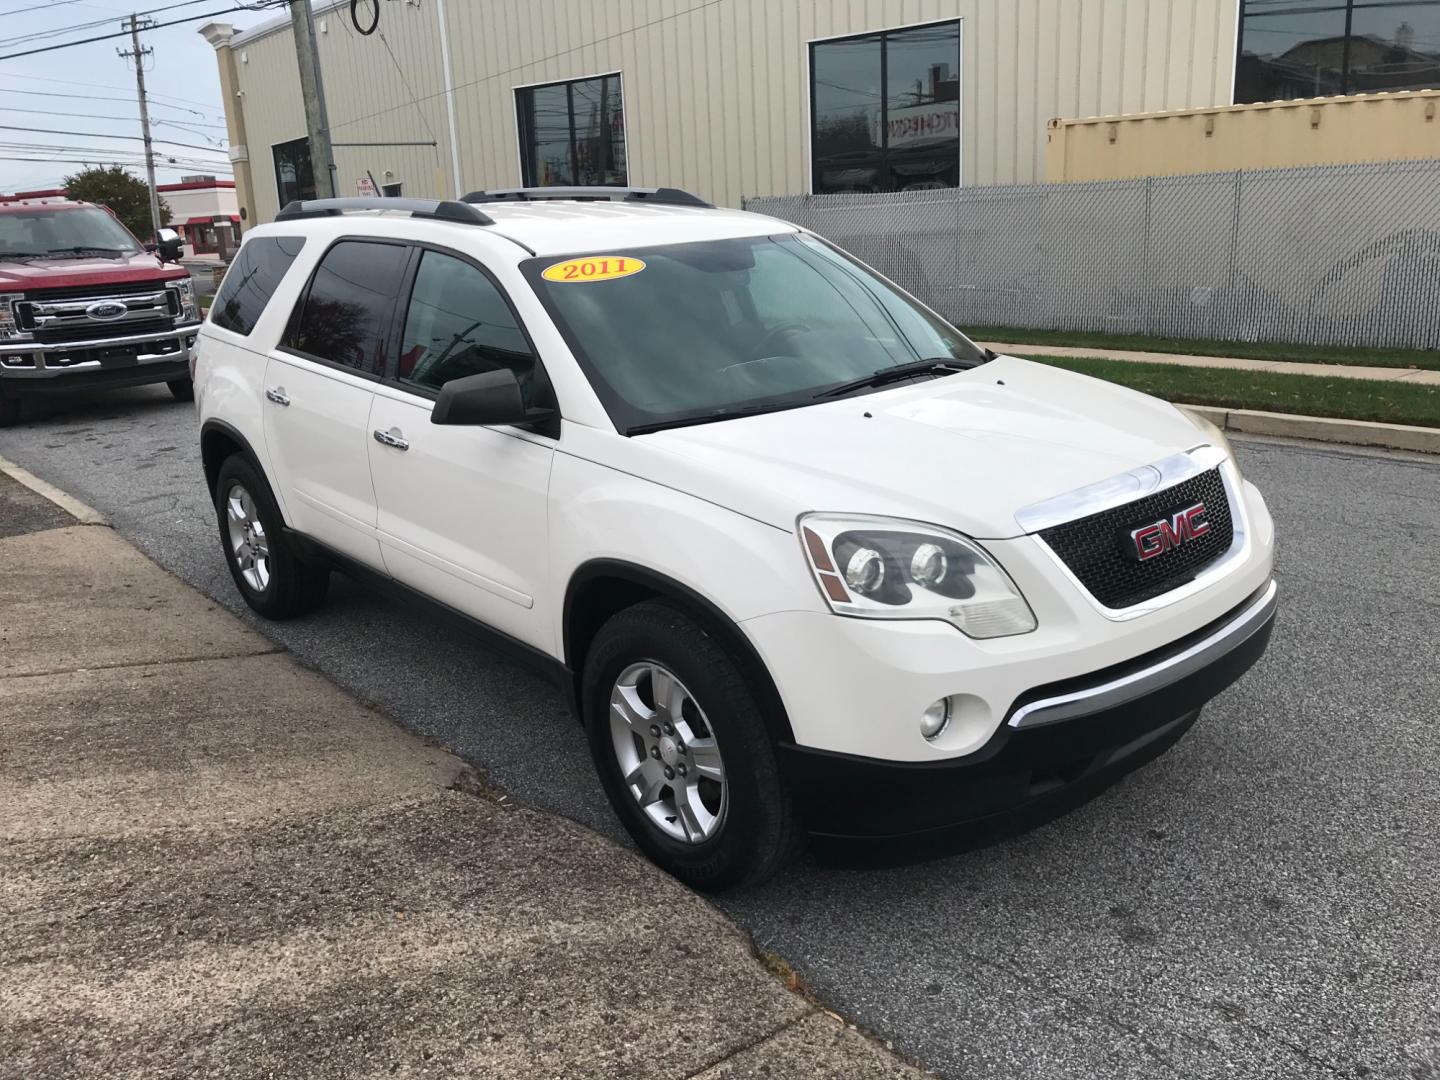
(84, 305)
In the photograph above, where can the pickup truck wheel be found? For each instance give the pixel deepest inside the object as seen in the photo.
(683, 751)
(269, 575)
(182, 389)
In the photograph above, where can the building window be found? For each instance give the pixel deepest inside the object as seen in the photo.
(294, 178)
(391, 191)
(572, 133)
(885, 110)
(1321, 48)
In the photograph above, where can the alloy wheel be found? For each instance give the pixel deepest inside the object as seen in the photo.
(667, 753)
(248, 542)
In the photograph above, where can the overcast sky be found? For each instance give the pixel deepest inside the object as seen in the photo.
(39, 91)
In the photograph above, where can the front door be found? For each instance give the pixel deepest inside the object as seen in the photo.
(462, 510)
(319, 387)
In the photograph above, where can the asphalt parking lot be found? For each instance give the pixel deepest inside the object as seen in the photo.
(1263, 901)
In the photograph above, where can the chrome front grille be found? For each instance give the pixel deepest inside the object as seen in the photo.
(87, 317)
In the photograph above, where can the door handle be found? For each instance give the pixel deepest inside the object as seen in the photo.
(277, 395)
(392, 438)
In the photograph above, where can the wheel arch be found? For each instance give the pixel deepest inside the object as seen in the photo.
(218, 441)
(601, 588)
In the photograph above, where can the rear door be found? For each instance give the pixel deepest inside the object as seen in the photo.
(462, 509)
(319, 385)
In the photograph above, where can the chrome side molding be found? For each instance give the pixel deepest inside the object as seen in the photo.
(1137, 684)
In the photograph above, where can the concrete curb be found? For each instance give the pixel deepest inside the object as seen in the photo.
(1422, 440)
(85, 515)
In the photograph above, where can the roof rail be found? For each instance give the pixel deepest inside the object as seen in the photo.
(440, 209)
(667, 195)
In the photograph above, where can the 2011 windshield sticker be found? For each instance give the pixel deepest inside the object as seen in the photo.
(594, 268)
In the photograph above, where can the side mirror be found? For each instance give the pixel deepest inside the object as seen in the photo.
(170, 250)
(491, 397)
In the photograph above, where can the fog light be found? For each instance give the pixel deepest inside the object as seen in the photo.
(934, 719)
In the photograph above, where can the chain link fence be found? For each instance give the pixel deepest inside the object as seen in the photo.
(1332, 255)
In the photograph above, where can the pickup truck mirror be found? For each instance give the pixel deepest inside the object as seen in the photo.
(170, 249)
(491, 397)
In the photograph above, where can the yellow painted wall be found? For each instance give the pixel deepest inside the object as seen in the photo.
(1278, 134)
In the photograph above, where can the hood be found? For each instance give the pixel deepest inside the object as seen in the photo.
(23, 275)
(966, 451)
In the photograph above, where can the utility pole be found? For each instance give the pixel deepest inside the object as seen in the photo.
(135, 24)
(312, 89)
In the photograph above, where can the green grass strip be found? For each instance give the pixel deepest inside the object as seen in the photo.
(1268, 391)
(1247, 350)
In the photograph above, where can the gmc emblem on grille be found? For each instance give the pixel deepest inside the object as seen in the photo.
(1160, 536)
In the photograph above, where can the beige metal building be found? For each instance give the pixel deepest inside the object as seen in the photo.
(715, 96)
(735, 98)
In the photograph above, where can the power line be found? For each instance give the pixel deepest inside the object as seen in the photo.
(56, 31)
(126, 33)
(96, 86)
(44, 7)
(105, 97)
(102, 135)
(105, 116)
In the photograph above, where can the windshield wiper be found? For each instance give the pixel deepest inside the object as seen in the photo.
(21, 255)
(81, 249)
(937, 367)
(711, 417)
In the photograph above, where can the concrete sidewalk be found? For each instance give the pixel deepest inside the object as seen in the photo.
(215, 863)
(1419, 376)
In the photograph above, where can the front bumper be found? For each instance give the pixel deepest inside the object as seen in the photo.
(1059, 746)
(34, 368)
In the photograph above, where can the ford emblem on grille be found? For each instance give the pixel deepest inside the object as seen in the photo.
(1160, 536)
(107, 310)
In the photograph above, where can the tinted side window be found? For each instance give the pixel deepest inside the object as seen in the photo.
(347, 311)
(252, 280)
(458, 324)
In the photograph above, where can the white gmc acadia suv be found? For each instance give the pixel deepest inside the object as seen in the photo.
(803, 558)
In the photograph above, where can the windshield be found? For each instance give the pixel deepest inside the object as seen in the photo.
(56, 232)
(687, 333)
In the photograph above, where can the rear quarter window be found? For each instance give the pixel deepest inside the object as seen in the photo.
(251, 280)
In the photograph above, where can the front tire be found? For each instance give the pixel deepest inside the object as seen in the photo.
(182, 389)
(274, 581)
(680, 741)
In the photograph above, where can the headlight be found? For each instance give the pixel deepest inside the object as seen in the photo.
(1213, 435)
(889, 568)
(185, 294)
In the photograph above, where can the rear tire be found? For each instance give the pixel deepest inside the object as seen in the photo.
(708, 723)
(271, 577)
(182, 389)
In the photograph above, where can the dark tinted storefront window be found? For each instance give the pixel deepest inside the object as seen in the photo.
(885, 110)
(1318, 48)
(251, 280)
(294, 178)
(572, 133)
